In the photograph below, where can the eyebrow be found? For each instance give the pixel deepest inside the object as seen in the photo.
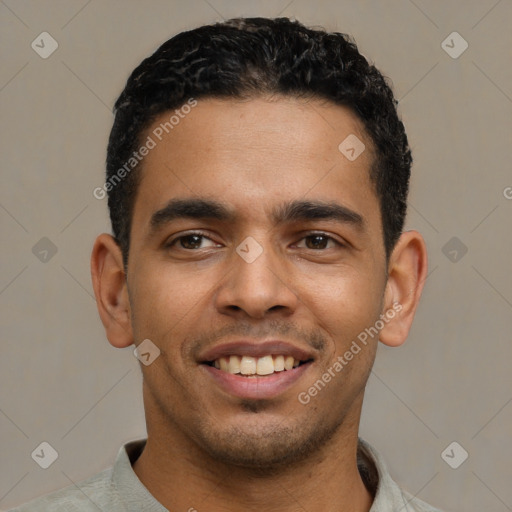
(294, 211)
(190, 209)
(315, 210)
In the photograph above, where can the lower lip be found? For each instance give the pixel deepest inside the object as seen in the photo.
(256, 388)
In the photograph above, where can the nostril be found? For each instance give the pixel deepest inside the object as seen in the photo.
(277, 308)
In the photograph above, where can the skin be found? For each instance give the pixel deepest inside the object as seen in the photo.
(206, 448)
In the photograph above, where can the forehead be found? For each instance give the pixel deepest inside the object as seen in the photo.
(254, 154)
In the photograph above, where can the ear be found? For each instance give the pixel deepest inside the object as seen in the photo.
(407, 271)
(110, 289)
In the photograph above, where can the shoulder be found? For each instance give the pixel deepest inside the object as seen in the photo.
(412, 504)
(388, 494)
(95, 493)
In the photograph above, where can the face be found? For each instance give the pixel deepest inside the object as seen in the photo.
(256, 244)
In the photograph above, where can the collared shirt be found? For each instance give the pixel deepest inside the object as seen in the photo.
(118, 489)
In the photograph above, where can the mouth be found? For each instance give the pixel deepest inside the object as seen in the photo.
(250, 366)
(261, 370)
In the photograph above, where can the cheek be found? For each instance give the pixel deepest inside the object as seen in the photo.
(344, 302)
(164, 300)
(344, 307)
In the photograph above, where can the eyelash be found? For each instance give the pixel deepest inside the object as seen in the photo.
(173, 242)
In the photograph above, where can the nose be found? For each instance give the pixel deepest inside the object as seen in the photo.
(256, 288)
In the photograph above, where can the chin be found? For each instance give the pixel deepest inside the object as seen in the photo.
(266, 446)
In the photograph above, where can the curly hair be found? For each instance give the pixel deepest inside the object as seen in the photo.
(247, 57)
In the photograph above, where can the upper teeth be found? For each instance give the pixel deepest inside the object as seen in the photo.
(248, 365)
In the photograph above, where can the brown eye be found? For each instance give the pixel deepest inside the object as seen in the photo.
(316, 242)
(191, 241)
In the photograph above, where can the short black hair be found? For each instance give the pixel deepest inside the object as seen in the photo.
(244, 58)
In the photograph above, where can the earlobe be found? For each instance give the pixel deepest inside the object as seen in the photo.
(406, 277)
(110, 289)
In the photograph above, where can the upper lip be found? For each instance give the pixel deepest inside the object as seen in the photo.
(255, 349)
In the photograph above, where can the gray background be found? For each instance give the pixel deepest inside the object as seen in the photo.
(61, 381)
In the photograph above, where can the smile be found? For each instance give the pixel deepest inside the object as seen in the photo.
(252, 366)
(255, 369)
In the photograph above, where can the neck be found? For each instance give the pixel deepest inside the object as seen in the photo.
(181, 476)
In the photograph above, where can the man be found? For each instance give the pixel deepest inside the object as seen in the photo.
(257, 175)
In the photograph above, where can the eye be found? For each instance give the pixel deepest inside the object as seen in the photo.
(319, 241)
(191, 241)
